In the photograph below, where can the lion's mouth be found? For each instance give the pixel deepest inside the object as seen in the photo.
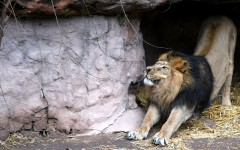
(154, 81)
(148, 81)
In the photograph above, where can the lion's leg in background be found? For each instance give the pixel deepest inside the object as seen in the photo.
(177, 116)
(217, 40)
(151, 118)
(226, 89)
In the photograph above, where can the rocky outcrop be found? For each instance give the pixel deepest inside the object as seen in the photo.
(70, 75)
(81, 7)
(48, 8)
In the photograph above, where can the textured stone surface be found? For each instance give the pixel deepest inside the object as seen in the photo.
(50, 8)
(71, 77)
(3, 135)
(82, 7)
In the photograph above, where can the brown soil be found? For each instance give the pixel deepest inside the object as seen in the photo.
(58, 141)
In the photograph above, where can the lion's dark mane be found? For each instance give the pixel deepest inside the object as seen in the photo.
(198, 91)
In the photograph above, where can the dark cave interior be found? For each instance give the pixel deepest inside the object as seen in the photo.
(176, 26)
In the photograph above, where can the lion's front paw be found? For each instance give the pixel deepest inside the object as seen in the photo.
(135, 135)
(159, 140)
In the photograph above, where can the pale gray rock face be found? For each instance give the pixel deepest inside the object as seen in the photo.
(71, 76)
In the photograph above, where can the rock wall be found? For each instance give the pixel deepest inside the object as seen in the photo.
(70, 75)
(47, 8)
(81, 7)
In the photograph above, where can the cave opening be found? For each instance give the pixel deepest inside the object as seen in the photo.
(176, 27)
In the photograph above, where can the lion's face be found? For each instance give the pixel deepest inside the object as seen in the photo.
(154, 74)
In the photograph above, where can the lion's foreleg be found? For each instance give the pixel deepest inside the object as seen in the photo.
(151, 118)
(177, 116)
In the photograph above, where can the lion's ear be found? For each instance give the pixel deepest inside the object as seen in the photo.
(181, 65)
(166, 56)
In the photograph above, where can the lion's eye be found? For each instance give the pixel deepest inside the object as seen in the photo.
(164, 67)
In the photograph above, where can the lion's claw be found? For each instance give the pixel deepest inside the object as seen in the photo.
(159, 141)
(134, 135)
(131, 135)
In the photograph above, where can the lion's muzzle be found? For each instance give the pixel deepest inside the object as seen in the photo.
(150, 82)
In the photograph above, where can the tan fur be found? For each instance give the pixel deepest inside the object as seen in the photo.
(179, 64)
(176, 62)
(167, 89)
(176, 118)
(209, 38)
(164, 93)
(152, 117)
(217, 40)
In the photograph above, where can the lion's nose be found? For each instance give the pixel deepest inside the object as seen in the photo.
(148, 69)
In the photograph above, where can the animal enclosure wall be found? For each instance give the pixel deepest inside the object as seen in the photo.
(71, 75)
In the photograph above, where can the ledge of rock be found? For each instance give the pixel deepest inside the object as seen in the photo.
(50, 8)
(81, 7)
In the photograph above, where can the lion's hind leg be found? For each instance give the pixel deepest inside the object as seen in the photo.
(226, 89)
(177, 116)
(151, 118)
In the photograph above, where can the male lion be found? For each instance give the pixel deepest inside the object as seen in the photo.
(178, 85)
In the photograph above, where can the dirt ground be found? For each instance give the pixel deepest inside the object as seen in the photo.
(56, 141)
